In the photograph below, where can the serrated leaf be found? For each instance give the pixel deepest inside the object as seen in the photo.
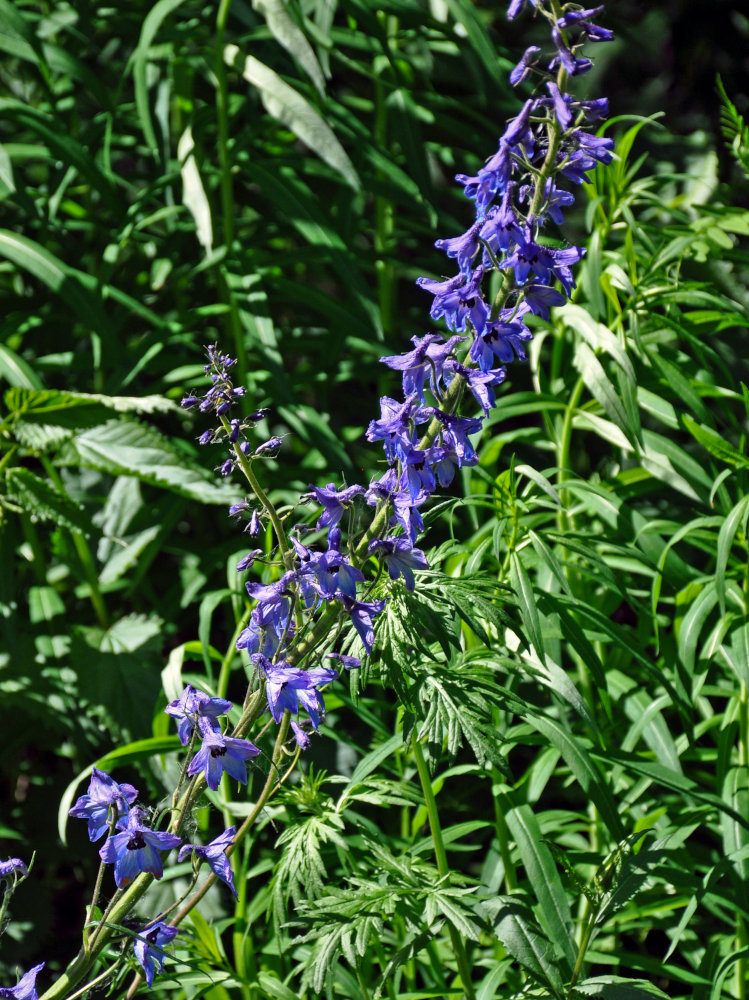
(78, 409)
(127, 448)
(43, 500)
(528, 946)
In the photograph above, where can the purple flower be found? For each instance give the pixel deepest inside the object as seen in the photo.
(214, 854)
(259, 638)
(480, 383)
(301, 737)
(517, 5)
(459, 301)
(540, 298)
(418, 469)
(426, 359)
(361, 617)
(136, 849)
(561, 105)
(332, 571)
(523, 68)
(192, 706)
(349, 662)
(463, 248)
(13, 866)
(274, 600)
(148, 948)
(394, 426)
(25, 988)
(246, 561)
(287, 687)
(103, 794)
(546, 264)
(581, 19)
(221, 753)
(502, 340)
(400, 557)
(334, 502)
(500, 229)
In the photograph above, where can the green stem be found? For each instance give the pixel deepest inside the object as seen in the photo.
(503, 841)
(443, 868)
(246, 466)
(742, 932)
(581, 954)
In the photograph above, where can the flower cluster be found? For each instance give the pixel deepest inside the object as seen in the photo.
(132, 846)
(516, 194)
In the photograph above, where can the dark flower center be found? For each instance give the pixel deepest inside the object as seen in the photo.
(218, 751)
(137, 842)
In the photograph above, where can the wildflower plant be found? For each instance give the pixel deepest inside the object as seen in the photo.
(341, 586)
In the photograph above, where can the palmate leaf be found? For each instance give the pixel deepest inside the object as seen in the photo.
(735, 131)
(345, 919)
(457, 706)
(301, 871)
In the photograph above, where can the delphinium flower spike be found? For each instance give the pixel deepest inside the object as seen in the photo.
(516, 195)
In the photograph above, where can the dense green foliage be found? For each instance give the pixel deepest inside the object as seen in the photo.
(568, 685)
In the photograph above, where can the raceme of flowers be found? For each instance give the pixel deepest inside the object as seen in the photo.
(516, 196)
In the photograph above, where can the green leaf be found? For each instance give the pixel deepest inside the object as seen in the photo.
(517, 931)
(193, 192)
(576, 756)
(287, 105)
(715, 443)
(552, 906)
(151, 24)
(617, 988)
(369, 764)
(287, 33)
(74, 287)
(738, 516)
(43, 500)
(17, 371)
(59, 142)
(127, 448)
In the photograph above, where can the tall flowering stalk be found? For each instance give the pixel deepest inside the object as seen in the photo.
(298, 634)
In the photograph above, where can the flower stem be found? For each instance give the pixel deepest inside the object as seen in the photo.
(442, 866)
